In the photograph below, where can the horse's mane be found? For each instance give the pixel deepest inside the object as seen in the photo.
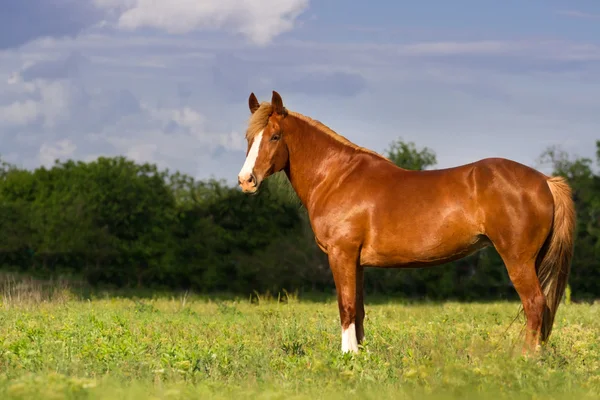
(258, 122)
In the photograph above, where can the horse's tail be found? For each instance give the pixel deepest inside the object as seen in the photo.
(554, 262)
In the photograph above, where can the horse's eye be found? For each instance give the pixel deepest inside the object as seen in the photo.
(275, 138)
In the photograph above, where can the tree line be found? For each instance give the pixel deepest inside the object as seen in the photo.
(114, 222)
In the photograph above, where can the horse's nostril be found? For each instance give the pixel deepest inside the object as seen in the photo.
(252, 179)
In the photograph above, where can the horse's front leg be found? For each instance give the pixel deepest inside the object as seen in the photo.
(360, 304)
(344, 267)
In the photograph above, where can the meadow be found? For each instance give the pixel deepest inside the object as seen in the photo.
(108, 346)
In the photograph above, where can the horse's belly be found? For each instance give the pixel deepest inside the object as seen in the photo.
(415, 252)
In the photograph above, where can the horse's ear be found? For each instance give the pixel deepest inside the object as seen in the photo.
(277, 104)
(253, 103)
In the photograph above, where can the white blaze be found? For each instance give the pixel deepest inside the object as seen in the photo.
(349, 342)
(248, 166)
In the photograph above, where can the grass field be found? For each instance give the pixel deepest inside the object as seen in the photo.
(127, 348)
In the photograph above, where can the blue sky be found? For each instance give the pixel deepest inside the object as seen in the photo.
(168, 81)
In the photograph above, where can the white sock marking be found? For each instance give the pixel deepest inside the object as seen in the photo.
(349, 342)
(248, 166)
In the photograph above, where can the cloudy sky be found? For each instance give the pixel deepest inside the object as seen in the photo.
(167, 81)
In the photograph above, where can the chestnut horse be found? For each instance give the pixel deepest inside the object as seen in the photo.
(367, 212)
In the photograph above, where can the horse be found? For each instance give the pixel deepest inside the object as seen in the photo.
(367, 212)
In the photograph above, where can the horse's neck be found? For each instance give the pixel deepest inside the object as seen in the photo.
(315, 158)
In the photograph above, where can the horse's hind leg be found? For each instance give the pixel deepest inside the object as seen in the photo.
(524, 278)
(519, 233)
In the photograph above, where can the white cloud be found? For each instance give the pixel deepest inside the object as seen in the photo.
(55, 102)
(54, 116)
(142, 152)
(64, 148)
(19, 113)
(258, 20)
(181, 150)
(168, 132)
(175, 138)
(233, 141)
(465, 99)
(450, 48)
(49, 104)
(578, 14)
(185, 118)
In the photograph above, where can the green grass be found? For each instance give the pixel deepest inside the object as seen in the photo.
(109, 348)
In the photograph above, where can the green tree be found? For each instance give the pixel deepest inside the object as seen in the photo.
(134, 205)
(127, 224)
(16, 192)
(407, 156)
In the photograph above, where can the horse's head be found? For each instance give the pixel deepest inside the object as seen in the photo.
(267, 151)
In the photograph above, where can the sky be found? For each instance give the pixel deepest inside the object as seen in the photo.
(167, 81)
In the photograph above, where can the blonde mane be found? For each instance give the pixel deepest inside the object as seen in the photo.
(258, 122)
